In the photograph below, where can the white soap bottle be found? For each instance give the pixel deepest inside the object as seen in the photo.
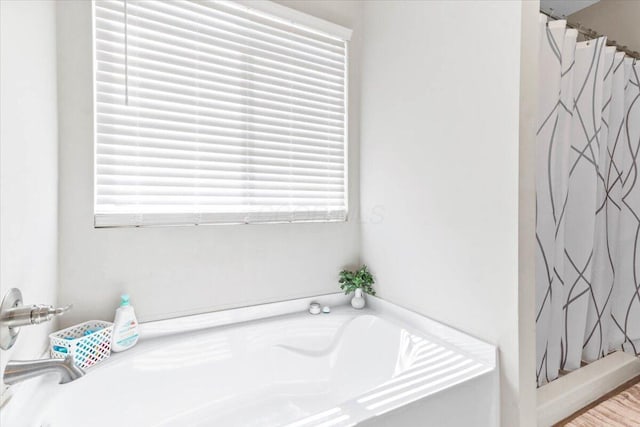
(125, 326)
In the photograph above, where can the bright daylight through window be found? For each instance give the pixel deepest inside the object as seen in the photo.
(213, 112)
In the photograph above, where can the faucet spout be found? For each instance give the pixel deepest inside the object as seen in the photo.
(20, 370)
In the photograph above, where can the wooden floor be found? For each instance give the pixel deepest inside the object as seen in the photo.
(619, 408)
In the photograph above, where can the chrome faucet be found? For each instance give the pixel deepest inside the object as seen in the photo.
(13, 315)
(21, 370)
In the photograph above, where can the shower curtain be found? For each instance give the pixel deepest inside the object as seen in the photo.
(587, 202)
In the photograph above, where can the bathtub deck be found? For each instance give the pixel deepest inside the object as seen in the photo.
(286, 368)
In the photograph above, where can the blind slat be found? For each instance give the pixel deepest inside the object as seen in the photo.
(137, 87)
(183, 131)
(213, 183)
(222, 145)
(117, 94)
(202, 156)
(116, 159)
(186, 150)
(181, 103)
(178, 173)
(176, 121)
(211, 112)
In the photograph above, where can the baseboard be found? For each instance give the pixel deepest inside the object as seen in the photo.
(572, 392)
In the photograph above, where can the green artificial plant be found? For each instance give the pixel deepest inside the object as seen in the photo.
(359, 279)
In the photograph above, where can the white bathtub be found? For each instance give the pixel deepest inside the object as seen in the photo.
(276, 365)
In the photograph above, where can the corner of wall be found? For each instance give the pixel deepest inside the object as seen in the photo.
(526, 211)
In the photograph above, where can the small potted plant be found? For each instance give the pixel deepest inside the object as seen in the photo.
(359, 282)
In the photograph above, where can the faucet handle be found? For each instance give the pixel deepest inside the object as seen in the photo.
(62, 310)
(44, 313)
(13, 315)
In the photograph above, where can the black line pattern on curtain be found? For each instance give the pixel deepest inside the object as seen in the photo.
(587, 202)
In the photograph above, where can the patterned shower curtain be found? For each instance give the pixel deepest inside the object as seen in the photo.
(587, 202)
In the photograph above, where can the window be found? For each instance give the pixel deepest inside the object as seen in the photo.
(218, 112)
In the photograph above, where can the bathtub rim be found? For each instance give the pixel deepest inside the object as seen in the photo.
(474, 347)
(479, 350)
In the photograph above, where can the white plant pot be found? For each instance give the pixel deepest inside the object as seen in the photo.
(358, 301)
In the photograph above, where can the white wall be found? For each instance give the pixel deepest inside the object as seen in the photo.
(171, 271)
(28, 162)
(617, 19)
(440, 153)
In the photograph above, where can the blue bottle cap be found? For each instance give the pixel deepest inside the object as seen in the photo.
(60, 349)
(124, 300)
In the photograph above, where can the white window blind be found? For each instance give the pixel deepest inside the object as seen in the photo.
(215, 112)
